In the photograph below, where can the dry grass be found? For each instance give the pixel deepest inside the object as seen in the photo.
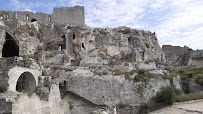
(189, 97)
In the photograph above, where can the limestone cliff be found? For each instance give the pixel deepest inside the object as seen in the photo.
(97, 65)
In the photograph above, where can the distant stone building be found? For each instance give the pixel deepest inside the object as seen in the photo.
(65, 15)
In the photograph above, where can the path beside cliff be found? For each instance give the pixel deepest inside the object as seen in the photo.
(191, 107)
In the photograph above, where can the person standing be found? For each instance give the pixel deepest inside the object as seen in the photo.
(114, 110)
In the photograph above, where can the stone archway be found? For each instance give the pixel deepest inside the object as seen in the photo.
(26, 82)
(16, 73)
(10, 47)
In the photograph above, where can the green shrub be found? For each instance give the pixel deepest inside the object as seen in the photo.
(136, 78)
(53, 74)
(40, 48)
(31, 56)
(44, 73)
(3, 87)
(47, 84)
(199, 80)
(141, 72)
(165, 96)
(148, 61)
(102, 56)
(101, 73)
(121, 105)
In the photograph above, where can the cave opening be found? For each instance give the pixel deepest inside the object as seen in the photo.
(33, 20)
(26, 82)
(73, 36)
(10, 48)
(83, 46)
(63, 46)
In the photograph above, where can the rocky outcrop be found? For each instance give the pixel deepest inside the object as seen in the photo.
(176, 55)
(196, 58)
(90, 62)
(112, 90)
(182, 56)
(89, 46)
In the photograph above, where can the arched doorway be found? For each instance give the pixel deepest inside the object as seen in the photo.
(10, 47)
(26, 82)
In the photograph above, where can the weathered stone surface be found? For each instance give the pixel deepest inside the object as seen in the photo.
(176, 55)
(112, 90)
(65, 15)
(83, 60)
(33, 104)
(196, 58)
(5, 107)
(182, 56)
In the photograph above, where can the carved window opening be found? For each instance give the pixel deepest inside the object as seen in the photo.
(62, 85)
(27, 18)
(10, 48)
(7, 16)
(63, 46)
(49, 18)
(33, 20)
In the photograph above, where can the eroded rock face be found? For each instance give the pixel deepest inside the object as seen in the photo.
(182, 56)
(68, 53)
(111, 90)
(87, 46)
(196, 58)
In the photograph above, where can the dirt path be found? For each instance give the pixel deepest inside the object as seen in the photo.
(192, 107)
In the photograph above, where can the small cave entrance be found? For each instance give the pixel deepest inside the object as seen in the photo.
(129, 39)
(83, 46)
(73, 36)
(63, 46)
(10, 48)
(62, 85)
(33, 20)
(26, 82)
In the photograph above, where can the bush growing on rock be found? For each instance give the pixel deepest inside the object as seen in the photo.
(166, 96)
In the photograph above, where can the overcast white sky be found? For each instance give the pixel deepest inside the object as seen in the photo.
(176, 22)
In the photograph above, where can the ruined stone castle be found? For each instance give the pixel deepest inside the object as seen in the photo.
(53, 63)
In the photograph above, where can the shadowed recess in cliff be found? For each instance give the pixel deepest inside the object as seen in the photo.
(10, 47)
(26, 82)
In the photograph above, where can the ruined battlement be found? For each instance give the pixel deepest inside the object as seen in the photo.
(65, 15)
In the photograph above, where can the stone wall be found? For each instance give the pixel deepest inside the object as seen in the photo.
(64, 15)
(79, 105)
(176, 55)
(182, 56)
(33, 104)
(69, 15)
(196, 58)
